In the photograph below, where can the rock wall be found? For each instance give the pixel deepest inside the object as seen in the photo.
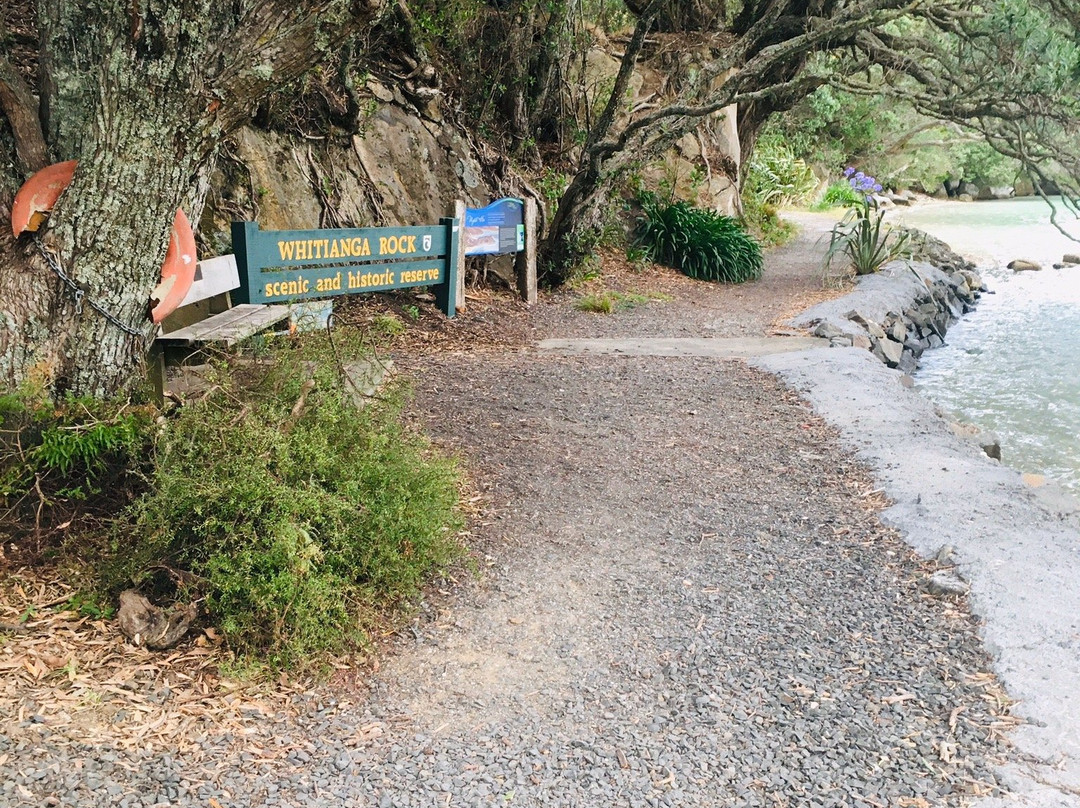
(402, 169)
(902, 310)
(408, 164)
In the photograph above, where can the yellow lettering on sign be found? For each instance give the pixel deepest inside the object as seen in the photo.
(356, 247)
(419, 276)
(286, 250)
(334, 248)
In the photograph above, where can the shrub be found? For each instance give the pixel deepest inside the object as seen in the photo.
(66, 449)
(859, 236)
(840, 195)
(702, 243)
(764, 222)
(288, 511)
(775, 176)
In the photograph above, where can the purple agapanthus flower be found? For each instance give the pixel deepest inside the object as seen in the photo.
(849, 171)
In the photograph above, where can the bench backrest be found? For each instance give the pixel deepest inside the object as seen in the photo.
(213, 276)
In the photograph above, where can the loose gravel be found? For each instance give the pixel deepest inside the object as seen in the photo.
(683, 596)
(688, 601)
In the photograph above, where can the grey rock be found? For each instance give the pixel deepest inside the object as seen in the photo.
(908, 364)
(890, 352)
(1023, 265)
(827, 330)
(1070, 258)
(946, 584)
(991, 444)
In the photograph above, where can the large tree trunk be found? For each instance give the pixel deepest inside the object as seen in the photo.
(136, 128)
(141, 93)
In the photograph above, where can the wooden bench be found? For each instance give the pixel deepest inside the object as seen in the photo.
(196, 322)
(206, 316)
(229, 327)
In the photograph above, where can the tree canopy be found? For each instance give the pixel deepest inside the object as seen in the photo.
(143, 94)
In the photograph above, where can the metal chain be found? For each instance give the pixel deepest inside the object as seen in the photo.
(79, 293)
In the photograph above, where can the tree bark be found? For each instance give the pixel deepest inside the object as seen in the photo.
(21, 109)
(141, 93)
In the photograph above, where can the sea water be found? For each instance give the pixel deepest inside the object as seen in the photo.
(1013, 365)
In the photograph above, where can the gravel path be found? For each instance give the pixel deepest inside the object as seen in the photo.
(688, 599)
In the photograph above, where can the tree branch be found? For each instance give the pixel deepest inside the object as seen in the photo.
(21, 109)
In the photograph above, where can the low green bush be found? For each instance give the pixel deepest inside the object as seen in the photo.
(53, 453)
(701, 243)
(839, 195)
(765, 224)
(292, 515)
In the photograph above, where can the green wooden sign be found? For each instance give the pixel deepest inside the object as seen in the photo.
(279, 266)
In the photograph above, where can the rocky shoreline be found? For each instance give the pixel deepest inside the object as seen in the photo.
(903, 310)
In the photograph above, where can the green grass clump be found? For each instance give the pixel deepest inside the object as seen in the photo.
(839, 195)
(69, 450)
(597, 303)
(701, 243)
(290, 513)
(608, 301)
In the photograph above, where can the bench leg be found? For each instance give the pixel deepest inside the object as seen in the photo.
(155, 371)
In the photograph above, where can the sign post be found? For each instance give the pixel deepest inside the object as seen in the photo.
(505, 226)
(289, 265)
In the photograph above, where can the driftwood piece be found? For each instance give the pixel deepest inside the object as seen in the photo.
(146, 624)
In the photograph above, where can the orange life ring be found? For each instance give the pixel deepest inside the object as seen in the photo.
(37, 197)
(178, 271)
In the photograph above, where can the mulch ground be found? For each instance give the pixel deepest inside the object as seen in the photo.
(78, 676)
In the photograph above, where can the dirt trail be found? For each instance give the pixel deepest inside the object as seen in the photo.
(684, 597)
(689, 599)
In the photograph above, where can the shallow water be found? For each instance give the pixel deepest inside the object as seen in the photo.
(1012, 366)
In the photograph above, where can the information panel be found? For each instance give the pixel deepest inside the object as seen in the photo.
(498, 228)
